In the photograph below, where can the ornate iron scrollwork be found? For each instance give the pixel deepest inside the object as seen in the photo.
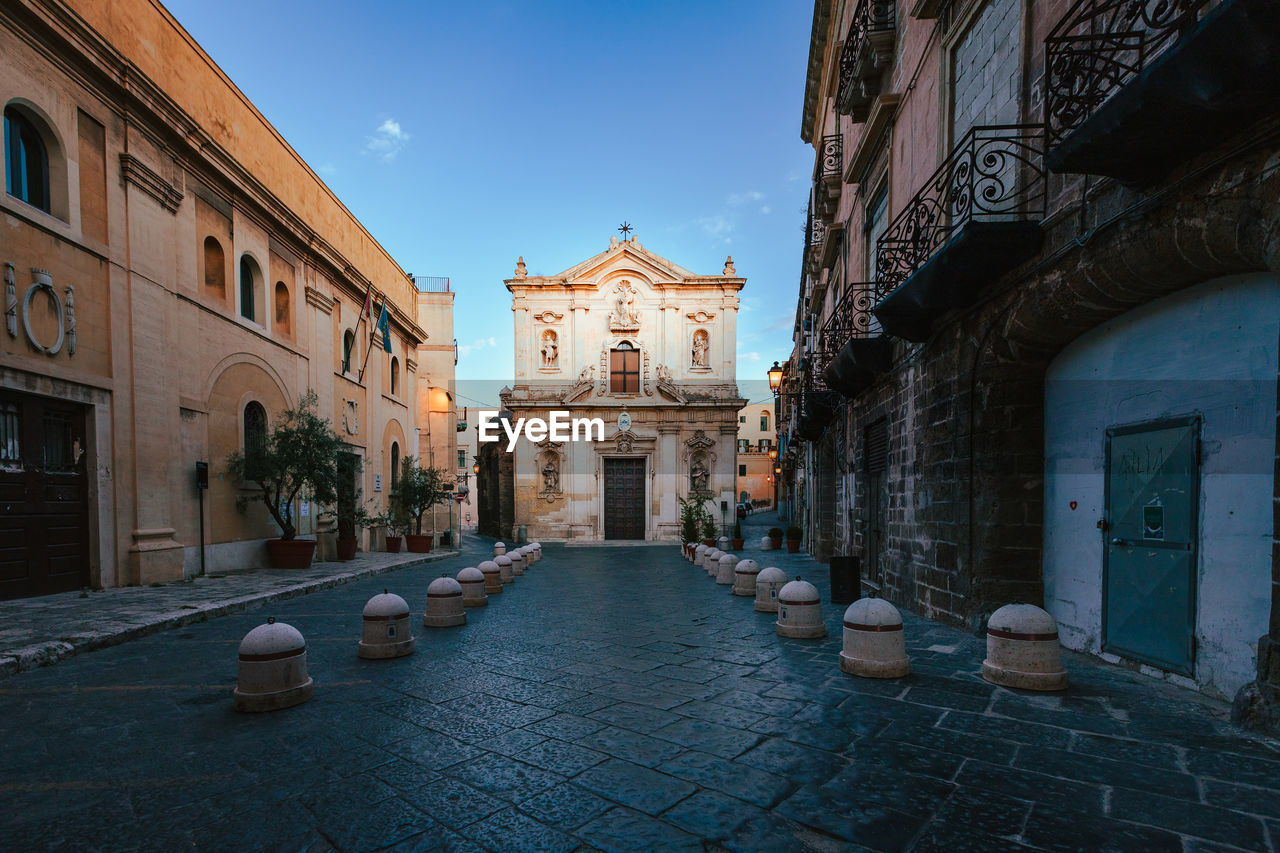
(851, 318)
(832, 159)
(1100, 45)
(995, 174)
(870, 16)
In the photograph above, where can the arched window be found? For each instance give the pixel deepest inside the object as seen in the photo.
(395, 376)
(215, 268)
(26, 173)
(255, 437)
(283, 317)
(348, 347)
(248, 287)
(395, 463)
(624, 369)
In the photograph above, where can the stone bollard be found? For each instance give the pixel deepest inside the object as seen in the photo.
(386, 631)
(800, 611)
(768, 582)
(499, 548)
(444, 604)
(724, 569)
(505, 568)
(273, 669)
(537, 552)
(471, 580)
(744, 577)
(492, 577)
(518, 562)
(723, 543)
(766, 544)
(1023, 650)
(874, 645)
(699, 551)
(711, 561)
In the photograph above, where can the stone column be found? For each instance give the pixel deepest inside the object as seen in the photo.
(667, 465)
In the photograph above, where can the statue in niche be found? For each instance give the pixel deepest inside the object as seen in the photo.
(550, 475)
(624, 313)
(699, 476)
(550, 349)
(701, 348)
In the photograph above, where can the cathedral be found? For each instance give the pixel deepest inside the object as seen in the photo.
(647, 347)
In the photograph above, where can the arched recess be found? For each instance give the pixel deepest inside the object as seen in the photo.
(248, 358)
(392, 434)
(215, 269)
(55, 154)
(1218, 223)
(234, 388)
(282, 310)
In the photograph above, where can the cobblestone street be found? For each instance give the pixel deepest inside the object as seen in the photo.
(613, 698)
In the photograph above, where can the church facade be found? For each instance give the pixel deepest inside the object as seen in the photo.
(649, 348)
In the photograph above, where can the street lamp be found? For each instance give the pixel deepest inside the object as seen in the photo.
(775, 378)
(773, 453)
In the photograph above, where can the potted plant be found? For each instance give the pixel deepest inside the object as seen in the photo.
(394, 524)
(351, 519)
(737, 536)
(793, 539)
(690, 522)
(300, 453)
(416, 491)
(775, 538)
(708, 524)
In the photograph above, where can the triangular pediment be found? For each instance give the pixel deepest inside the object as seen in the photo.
(625, 257)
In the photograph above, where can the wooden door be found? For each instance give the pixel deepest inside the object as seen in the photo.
(624, 498)
(44, 497)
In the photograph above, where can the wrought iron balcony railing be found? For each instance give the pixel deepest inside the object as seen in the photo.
(1101, 45)
(831, 160)
(851, 318)
(995, 174)
(866, 50)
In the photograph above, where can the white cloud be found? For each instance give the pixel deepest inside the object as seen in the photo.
(749, 356)
(716, 226)
(387, 141)
(765, 209)
(326, 170)
(476, 345)
(736, 199)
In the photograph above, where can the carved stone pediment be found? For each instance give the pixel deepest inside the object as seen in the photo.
(548, 317)
(699, 440)
(701, 316)
(671, 392)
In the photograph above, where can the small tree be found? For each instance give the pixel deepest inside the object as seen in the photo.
(300, 452)
(690, 519)
(417, 490)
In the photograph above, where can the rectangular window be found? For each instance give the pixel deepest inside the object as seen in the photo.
(462, 458)
(742, 419)
(10, 436)
(744, 445)
(765, 444)
(742, 470)
(624, 371)
(764, 423)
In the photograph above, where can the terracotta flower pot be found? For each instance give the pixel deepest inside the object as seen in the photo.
(793, 545)
(737, 544)
(393, 544)
(291, 553)
(710, 543)
(418, 543)
(347, 548)
(775, 542)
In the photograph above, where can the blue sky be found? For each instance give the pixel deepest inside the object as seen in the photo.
(465, 134)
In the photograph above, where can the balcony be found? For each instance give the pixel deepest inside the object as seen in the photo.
(1133, 88)
(827, 182)
(868, 50)
(852, 352)
(975, 219)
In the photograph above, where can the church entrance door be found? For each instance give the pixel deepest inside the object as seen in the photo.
(624, 498)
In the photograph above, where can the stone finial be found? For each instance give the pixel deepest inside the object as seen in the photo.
(521, 272)
(613, 241)
(728, 266)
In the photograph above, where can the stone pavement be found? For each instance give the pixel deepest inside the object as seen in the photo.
(41, 631)
(613, 699)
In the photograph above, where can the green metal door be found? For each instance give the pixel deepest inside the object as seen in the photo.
(1149, 595)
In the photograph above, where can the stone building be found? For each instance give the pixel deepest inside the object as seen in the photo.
(649, 348)
(1036, 334)
(175, 276)
(437, 417)
(757, 432)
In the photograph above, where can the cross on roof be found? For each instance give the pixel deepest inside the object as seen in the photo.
(625, 228)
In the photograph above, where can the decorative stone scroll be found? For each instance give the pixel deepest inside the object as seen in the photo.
(10, 300)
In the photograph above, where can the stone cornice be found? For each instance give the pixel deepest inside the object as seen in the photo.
(134, 171)
(318, 300)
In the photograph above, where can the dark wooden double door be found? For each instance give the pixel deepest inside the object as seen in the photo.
(44, 496)
(624, 498)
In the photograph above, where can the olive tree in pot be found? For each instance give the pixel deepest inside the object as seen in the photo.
(775, 538)
(300, 453)
(793, 539)
(416, 491)
(394, 522)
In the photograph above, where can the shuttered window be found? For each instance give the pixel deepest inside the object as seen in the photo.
(875, 447)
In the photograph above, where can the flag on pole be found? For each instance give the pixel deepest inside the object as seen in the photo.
(367, 311)
(384, 327)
